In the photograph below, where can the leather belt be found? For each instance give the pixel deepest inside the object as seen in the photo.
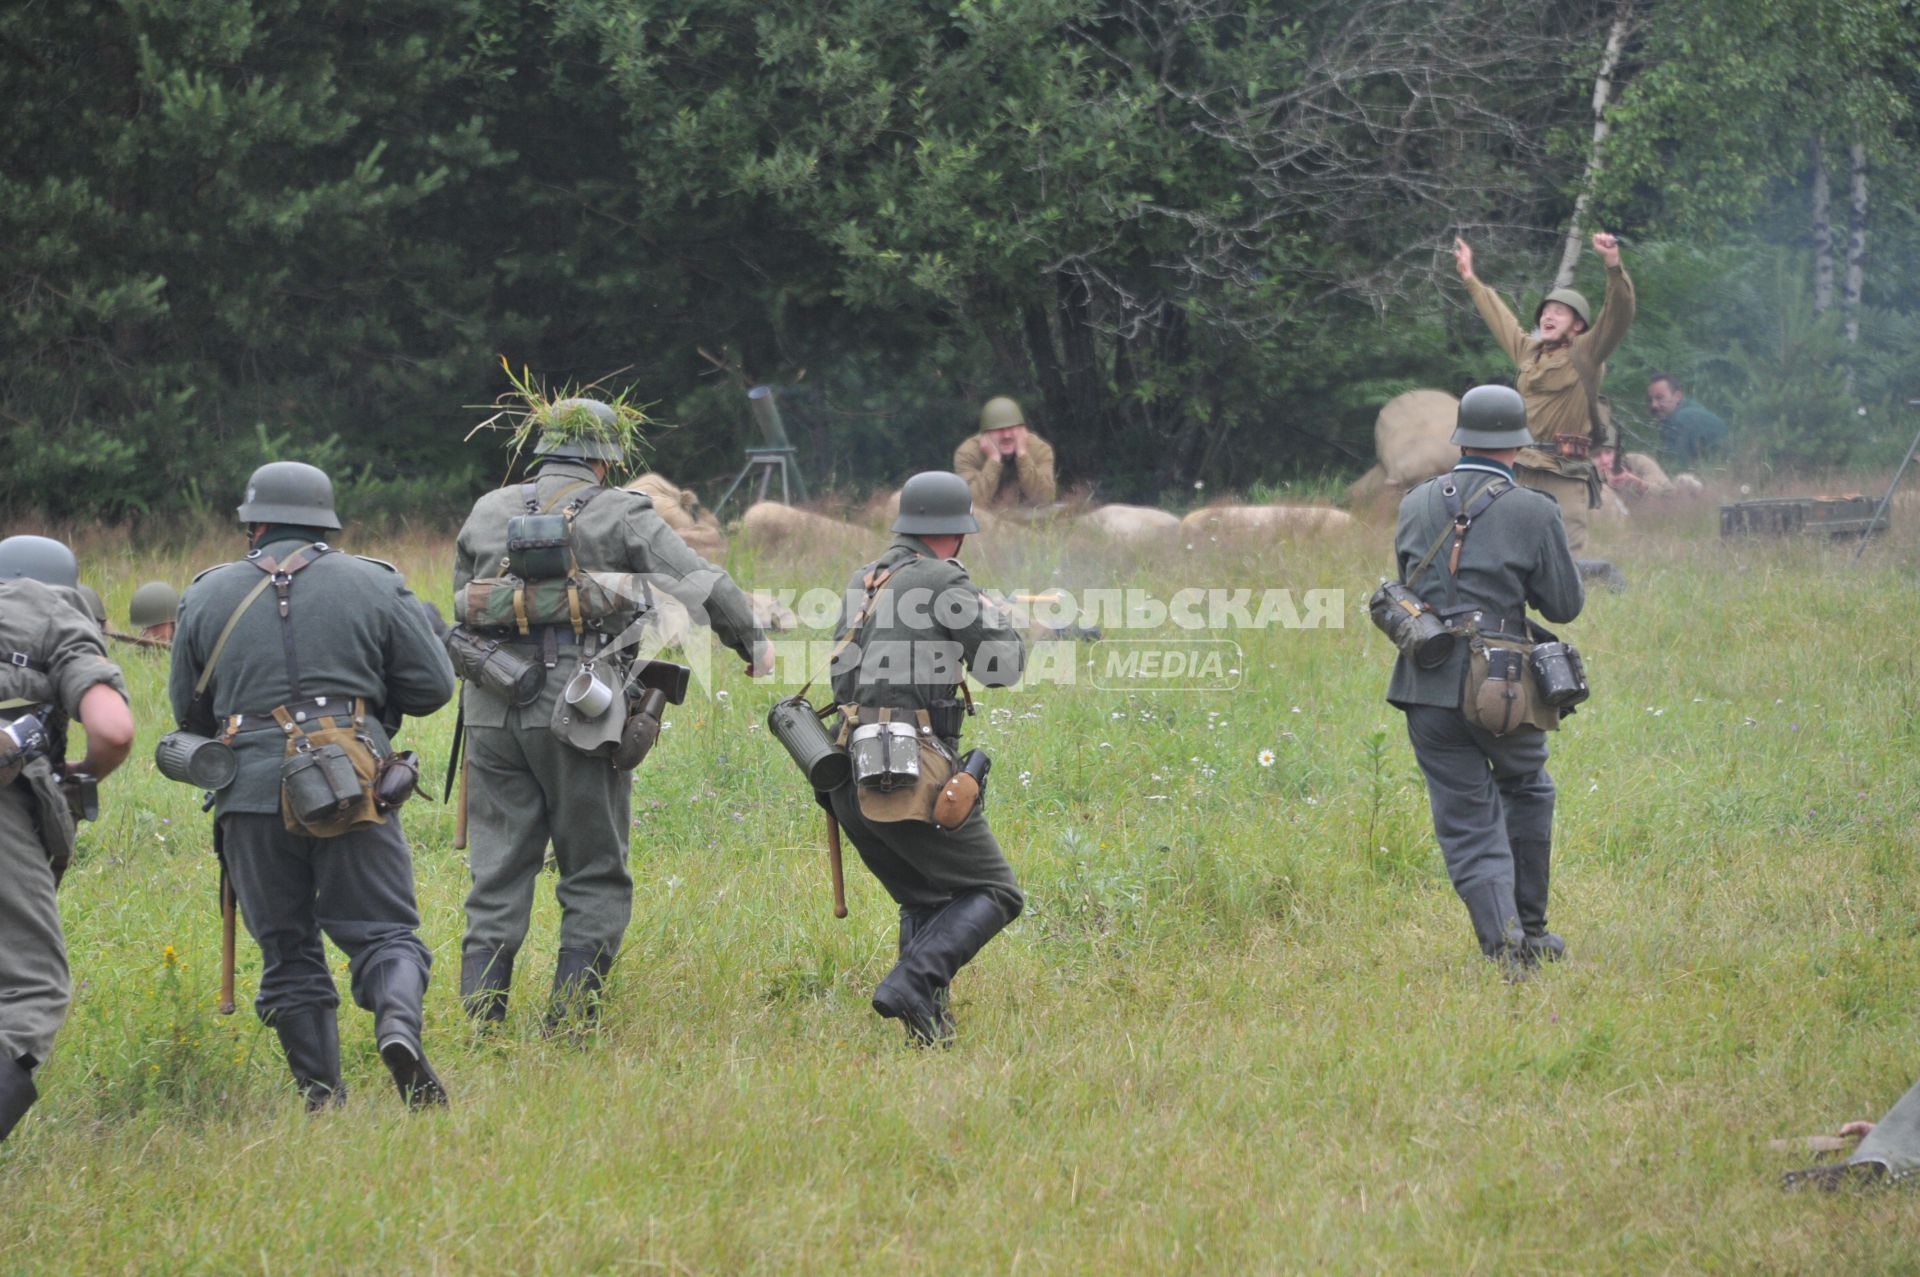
(302, 711)
(561, 635)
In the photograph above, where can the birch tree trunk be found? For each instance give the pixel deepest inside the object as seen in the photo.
(1822, 229)
(1602, 94)
(1856, 239)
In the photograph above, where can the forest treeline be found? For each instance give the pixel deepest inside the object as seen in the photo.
(1201, 240)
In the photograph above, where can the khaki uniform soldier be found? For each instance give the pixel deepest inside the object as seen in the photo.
(336, 643)
(527, 784)
(1006, 465)
(53, 669)
(1491, 795)
(1561, 365)
(917, 623)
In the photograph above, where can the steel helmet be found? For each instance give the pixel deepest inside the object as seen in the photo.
(154, 603)
(1492, 417)
(582, 428)
(41, 559)
(290, 492)
(936, 503)
(1572, 299)
(1000, 413)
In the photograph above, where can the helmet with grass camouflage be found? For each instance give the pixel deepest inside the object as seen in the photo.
(1001, 413)
(586, 429)
(1572, 299)
(290, 492)
(154, 603)
(41, 559)
(1492, 417)
(936, 503)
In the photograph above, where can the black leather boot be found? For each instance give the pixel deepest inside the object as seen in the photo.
(1532, 861)
(1496, 924)
(397, 988)
(311, 1038)
(485, 977)
(17, 1094)
(940, 948)
(912, 922)
(579, 977)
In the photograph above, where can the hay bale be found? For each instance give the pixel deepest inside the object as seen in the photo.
(684, 514)
(772, 524)
(1134, 524)
(1247, 522)
(1410, 436)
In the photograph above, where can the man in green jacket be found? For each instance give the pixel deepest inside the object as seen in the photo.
(1689, 433)
(912, 627)
(53, 670)
(1560, 365)
(527, 785)
(1491, 795)
(330, 637)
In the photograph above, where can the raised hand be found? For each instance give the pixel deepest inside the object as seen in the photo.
(1463, 258)
(1608, 247)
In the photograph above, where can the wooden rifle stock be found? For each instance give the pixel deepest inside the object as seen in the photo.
(460, 815)
(227, 915)
(834, 865)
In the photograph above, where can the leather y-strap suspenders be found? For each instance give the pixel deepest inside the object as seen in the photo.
(1463, 512)
(278, 575)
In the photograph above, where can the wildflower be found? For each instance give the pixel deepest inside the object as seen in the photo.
(1296, 709)
(1199, 485)
(1266, 758)
(722, 696)
(1026, 778)
(168, 956)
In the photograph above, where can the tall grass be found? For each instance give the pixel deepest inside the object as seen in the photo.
(1242, 1027)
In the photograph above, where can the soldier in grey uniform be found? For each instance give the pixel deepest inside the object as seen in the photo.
(526, 785)
(926, 625)
(53, 668)
(1492, 797)
(348, 629)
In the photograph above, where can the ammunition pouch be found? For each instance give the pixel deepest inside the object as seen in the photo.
(494, 665)
(1415, 628)
(327, 778)
(947, 718)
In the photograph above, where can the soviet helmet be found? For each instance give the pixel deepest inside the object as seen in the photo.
(291, 492)
(936, 503)
(582, 428)
(154, 603)
(1573, 299)
(1000, 413)
(1492, 417)
(41, 559)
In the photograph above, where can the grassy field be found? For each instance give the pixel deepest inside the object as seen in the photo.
(1242, 1027)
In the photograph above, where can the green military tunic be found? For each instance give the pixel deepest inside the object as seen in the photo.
(1492, 798)
(357, 632)
(1561, 386)
(526, 787)
(51, 654)
(928, 624)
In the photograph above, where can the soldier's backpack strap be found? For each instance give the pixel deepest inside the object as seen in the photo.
(279, 574)
(1461, 513)
(876, 577)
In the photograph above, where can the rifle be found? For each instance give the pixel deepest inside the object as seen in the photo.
(834, 867)
(138, 640)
